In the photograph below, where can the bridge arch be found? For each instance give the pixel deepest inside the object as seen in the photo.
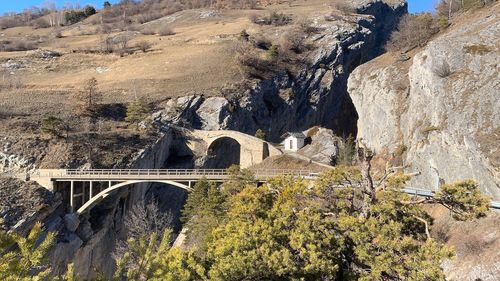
(223, 152)
(252, 149)
(101, 195)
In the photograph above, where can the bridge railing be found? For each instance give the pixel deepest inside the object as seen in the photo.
(100, 173)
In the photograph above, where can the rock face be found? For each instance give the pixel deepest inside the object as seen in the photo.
(323, 146)
(316, 96)
(444, 124)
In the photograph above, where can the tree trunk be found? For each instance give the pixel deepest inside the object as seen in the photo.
(365, 156)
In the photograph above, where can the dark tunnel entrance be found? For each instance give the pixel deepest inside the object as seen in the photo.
(223, 153)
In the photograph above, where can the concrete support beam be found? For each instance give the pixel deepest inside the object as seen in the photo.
(91, 189)
(71, 196)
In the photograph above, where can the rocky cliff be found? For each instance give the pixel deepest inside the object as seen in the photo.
(438, 111)
(315, 96)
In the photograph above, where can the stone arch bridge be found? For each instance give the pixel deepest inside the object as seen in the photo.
(252, 150)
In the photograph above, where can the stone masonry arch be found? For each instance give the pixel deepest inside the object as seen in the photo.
(253, 150)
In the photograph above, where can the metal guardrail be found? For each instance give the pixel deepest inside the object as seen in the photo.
(430, 193)
(102, 173)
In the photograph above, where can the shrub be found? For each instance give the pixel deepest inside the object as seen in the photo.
(262, 42)
(165, 31)
(442, 69)
(306, 26)
(40, 23)
(292, 40)
(273, 52)
(429, 129)
(137, 112)
(73, 17)
(260, 134)
(122, 41)
(412, 31)
(149, 16)
(144, 45)
(346, 152)
(244, 36)
(313, 131)
(250, 61)
(17, 45)
(443, 22)
(148, 31)
(274, 18)
(51, 125)
(89, 11)
(10, 21)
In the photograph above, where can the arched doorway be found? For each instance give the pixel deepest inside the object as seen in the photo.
(222, 153)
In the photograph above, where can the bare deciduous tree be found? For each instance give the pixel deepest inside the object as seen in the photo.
(141, 221)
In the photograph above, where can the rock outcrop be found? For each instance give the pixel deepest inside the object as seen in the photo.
(316, 96)
(323, 147)
(438, 111)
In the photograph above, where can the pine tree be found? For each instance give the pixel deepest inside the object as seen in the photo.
(137, 112)
(204, 210)
(86, 101)
(25, 258)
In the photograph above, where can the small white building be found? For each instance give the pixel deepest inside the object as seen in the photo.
(293, 141)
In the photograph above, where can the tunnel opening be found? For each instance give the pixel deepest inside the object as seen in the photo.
(222, 153)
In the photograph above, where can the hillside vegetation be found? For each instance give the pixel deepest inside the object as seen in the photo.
(287, 229)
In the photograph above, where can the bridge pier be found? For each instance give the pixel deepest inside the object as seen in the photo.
(72, 196)
(91, 189)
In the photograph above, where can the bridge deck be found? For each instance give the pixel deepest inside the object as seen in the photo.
(185, 175)
(159, 174)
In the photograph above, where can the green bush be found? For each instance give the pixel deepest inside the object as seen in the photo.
(260, 134)
(273, 52)
(89, 10)
(51, 125)
(73, 17)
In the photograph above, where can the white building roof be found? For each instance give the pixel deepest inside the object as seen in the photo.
(298, 135)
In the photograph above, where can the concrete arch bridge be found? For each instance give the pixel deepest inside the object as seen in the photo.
(84, 189)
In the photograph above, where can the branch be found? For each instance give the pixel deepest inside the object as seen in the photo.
(423, 200)
(426, 226)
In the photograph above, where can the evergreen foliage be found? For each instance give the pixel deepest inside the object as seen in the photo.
(137, 112)
(273, 52)
(204, 210)
(346, 152)
(260, 134)
(289, 229)
(25, 258)
(51, 125)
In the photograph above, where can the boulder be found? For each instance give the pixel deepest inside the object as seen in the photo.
(71, 222)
